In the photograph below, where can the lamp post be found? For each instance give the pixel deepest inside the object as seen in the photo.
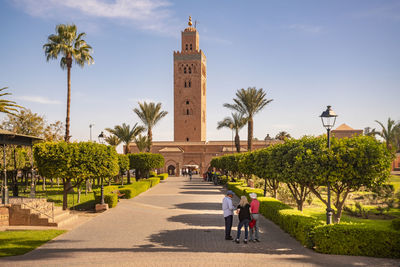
(90, 127)
(328, 118)
(101, 141)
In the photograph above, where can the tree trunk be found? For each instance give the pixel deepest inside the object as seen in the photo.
(65, 194)
(44, 184)
(237, 141)
(79, 195)
(122, 179)
(250, 134)
(69, 64)
(150, 137)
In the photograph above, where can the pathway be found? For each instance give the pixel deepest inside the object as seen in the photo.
(176, 223)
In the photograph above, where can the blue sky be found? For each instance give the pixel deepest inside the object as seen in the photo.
(306, 54)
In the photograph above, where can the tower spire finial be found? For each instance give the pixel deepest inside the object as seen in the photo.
(190, 21)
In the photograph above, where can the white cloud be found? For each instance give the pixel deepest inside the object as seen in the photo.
(305, 28)
(39, 99)
(153, 15)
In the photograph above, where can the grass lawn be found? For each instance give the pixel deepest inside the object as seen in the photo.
(20, 242)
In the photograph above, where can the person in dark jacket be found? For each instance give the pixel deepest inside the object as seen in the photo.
(244, 218)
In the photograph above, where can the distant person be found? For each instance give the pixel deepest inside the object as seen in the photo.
(243, 209)
(227, 207)
(254, 210)
(190, 174)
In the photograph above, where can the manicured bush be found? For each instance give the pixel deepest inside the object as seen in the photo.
(140, 187)
(154, 181)
(128, 192)
(162, 176)
(111, 199)
(396, 224)
(152, 174)
(353, 239)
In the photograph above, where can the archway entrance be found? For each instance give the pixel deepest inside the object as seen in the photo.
(171, 170)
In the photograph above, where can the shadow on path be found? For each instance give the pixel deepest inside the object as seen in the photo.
(199, 206)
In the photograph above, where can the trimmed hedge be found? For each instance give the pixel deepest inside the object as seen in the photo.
(162, 176)
(344, 239)
(360, 240)
(111, 199)
(154, 181)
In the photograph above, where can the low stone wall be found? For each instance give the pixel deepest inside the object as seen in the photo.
(4, 215)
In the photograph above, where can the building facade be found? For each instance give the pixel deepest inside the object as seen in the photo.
(190, 148)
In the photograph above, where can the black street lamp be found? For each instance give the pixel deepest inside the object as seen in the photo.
(328, 118)
(101, 141)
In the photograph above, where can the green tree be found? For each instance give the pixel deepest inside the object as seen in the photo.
(25, 122)
(112, 140)
(142, 143)
(236, 122)
(389, 133)
(143, 163)
(249, 102)
(68, 43)
(282, 136)
(126, 134)
(7, 106)
(75, 162)
(264, 168)
(350, 164)
(150, 114)
(54, 132)
(123, 163)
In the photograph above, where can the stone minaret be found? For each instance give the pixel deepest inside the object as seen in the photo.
(190, 89)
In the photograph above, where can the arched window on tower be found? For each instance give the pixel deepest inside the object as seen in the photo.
(190, 46)
(187, 139)
(190, 84)
(186, 47)
(190, 70)
(187, 102)
(184, 70)
(185, 84)
(187, 112)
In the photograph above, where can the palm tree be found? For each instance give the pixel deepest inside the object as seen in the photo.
(150, 114)
(236, 122)
(249, 102)
(72, 47)
(282, 135)
(112, 140)
(125, 134)
(7, 106)
(142, 142)
(389, 133)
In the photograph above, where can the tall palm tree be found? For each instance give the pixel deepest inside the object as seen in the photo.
(282, 135)
(249, 102)
(126, 134)
(7, 106)
(150, 114)
(142, 142)
(72, 47)
(389, 133)
(236, 122)
(112, 140)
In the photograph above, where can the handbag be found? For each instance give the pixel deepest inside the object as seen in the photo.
(252, 223)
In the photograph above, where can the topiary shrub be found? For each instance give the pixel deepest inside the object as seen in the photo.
(354, 239)
(128, 192)
(111, 199)
(162, 176)
(152, 174)
(154, 181)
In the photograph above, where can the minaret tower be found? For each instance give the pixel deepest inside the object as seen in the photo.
(190, 89)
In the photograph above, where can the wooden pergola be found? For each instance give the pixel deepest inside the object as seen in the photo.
(11, 138)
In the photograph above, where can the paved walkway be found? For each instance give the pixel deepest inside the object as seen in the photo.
(176, 223)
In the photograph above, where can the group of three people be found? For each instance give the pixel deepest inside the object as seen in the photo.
(247, 212)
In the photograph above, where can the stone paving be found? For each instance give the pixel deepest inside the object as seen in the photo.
(176, 223)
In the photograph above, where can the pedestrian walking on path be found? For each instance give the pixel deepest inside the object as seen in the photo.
(227, 207)
(244, 218)
(190, 174)
(254, 209)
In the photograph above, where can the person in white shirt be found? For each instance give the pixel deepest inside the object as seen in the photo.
(227, 207)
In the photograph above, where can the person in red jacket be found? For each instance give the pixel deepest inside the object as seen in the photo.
(254, 209)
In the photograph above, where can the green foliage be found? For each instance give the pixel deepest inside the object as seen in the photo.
(348, 239)
(111, 199)
(123, 162)
(125, 133)
(154, 181)
(162, 176)
(144, 162)
(7, 106)
(152, 174)
(396, 224)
